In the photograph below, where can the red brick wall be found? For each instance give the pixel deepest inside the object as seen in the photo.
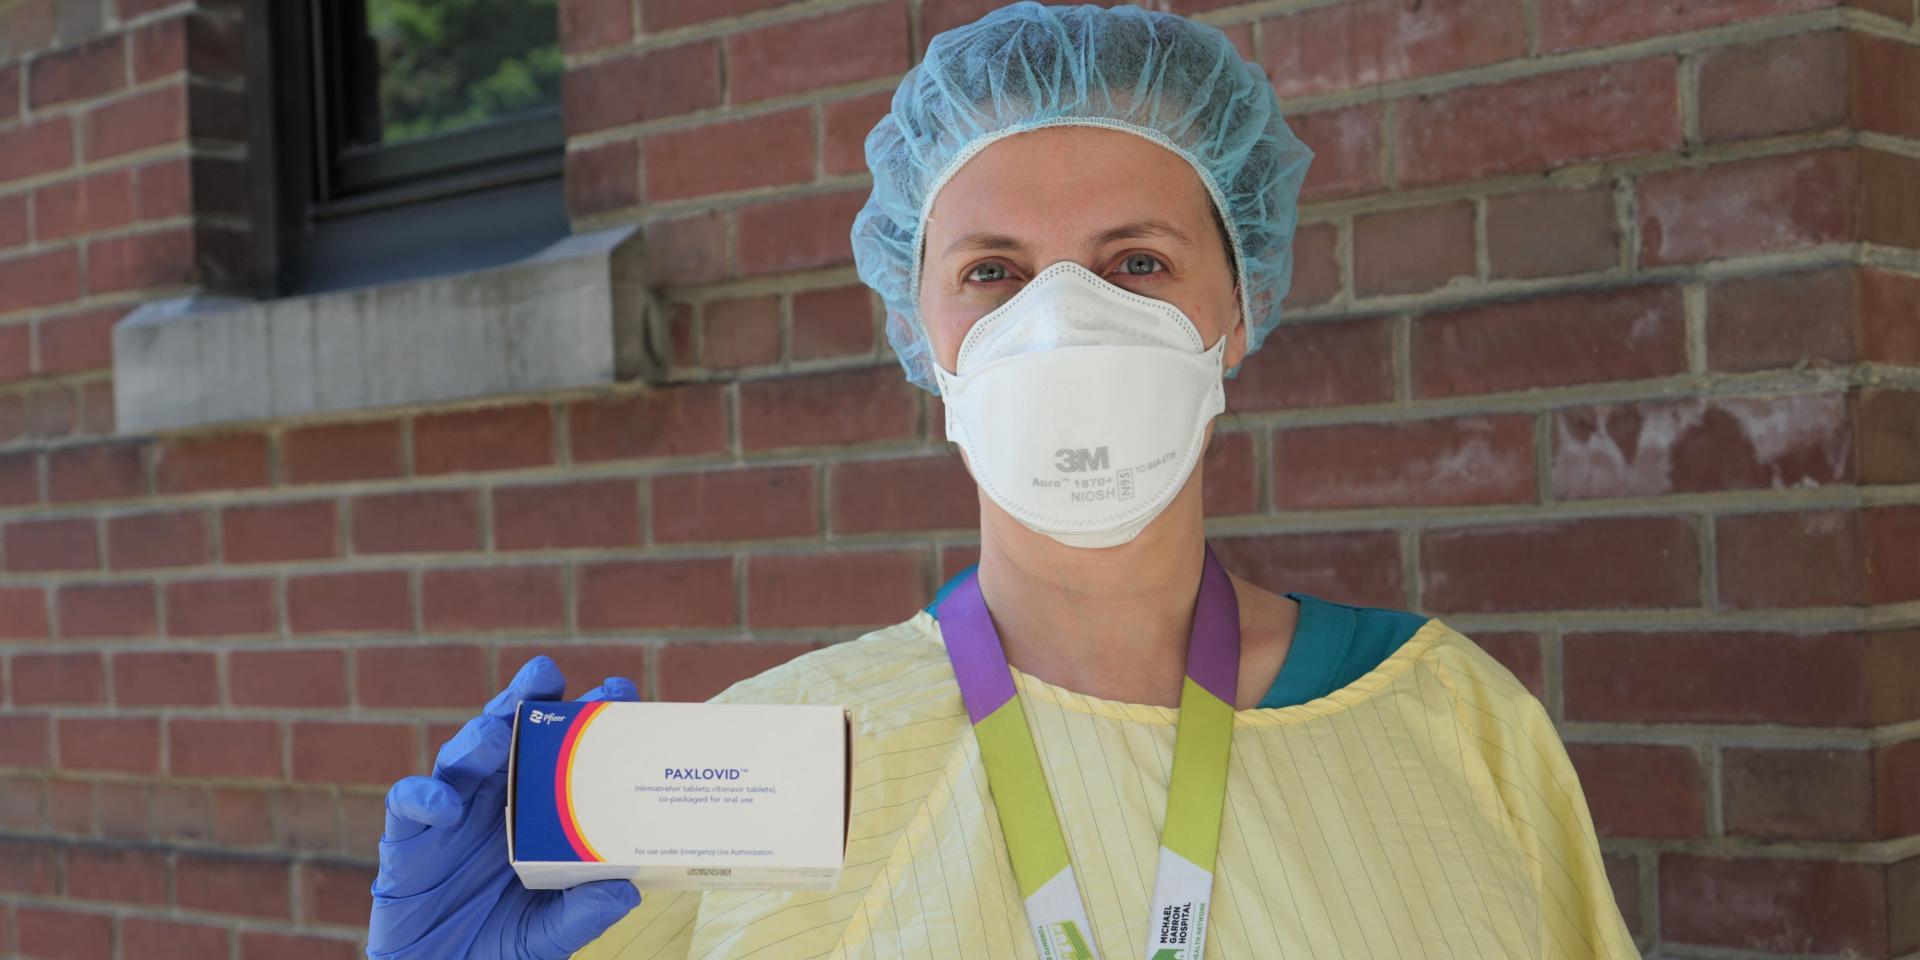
(1606, 349)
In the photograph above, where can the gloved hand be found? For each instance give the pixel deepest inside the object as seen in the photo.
(445, 889)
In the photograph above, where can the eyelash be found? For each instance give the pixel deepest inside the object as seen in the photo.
(1002, 264)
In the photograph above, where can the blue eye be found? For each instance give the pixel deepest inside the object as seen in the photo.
(974, 276)
(1144, 262)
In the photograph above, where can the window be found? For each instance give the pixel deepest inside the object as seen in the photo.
(402, 138)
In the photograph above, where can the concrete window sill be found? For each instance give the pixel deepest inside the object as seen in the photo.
(575, 314)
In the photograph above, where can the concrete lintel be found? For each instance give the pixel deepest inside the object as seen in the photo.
(574, 314)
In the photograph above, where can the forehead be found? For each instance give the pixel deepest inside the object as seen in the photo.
(1065, 179)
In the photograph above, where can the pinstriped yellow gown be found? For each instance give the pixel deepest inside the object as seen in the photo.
(1425, 810)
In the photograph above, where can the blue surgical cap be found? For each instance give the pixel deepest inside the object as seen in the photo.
(1175, 81)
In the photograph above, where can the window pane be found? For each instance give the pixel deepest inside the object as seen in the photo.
(448, 64)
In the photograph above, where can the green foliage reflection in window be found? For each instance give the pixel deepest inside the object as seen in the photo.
(446, 64)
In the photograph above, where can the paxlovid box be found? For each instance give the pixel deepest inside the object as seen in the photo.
(690, 796)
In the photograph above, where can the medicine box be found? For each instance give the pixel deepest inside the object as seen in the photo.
(688, 796)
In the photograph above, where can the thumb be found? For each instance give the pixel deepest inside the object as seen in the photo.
(580, 915)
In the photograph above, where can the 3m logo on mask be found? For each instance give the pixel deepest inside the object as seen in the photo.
(1081, 460)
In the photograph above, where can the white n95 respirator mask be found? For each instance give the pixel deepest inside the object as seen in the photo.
(1082, 407)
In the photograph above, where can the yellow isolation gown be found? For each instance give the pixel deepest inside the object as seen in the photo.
(1427, 809)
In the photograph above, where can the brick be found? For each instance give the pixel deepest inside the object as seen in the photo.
(416, 676)
(1800, 906)
(1700, 444)
(765, 150)
(741, 332)
(267, 945)
(1347, 143)
(1601, 563)
(25, 740)
(633, 594)
(222, 607)
(33, 149)
(104, 471)
(697, 671)
(1636, 790)
(1779, 320)
(662, 15)
(86, 205)
(1520, 654)
(1350, 45)
(166, 678)
(416, 521)
(38, 279)
(88, 71)
(752, 504)
(1522, 126)
(1229, 483)
(686, 420)
(241, 818)
(16, 351)
(10, 86)
(151, 259)
(1887, 428)
(212, 461)
(1730, 677)
(96, 418)
(24, 613)
(43, 545)
(353, 752)
(77, 342)
(152, 118)
(492, 598)
(1412, 250)
(71, 809)
(677, 80)
(1760, 205)
(279, 532)
(838, 409)
(782, 59)
(921, 493)
(1886, 205)
(1879, 67)
(1572, 24)
(47, 933)
(586, 666)
(30, 867)
(591, 24)
(1891, 657)
(1452, 462)
(164, 189)
(100, 610)
(340, 452)
(64, 678)
(603, 513)
(1772, 87)
(834, 589)
(118, 876)
(52, 411)
(336, 893)
(1316, 267)
(603, 178)
(1797, 794)
(123, 744)
(174, 940)
(1321, 364)
(832, 322)
(1893, 566)
(13, 233)
(287, 678)
(1888, 302)
(844, 125)
(1769, 560)
(371, 600)
(1565, 339)
(1354, 567)
(1551, 233)
(688, 250)
(181, 813)
(207, 46)
(303, 821)
(801, 233)
(224, 748)
(491, 438)
(1896, 785)
(23, 803)
(230, 885)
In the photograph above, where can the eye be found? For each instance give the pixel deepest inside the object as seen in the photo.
(1142, 265)
(993, 269)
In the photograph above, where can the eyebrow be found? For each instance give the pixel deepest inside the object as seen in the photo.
(1125, 231)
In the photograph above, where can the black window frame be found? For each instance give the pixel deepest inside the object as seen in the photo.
(470, 197)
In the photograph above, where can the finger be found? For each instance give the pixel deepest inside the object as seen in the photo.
(416, 803)
(580, 915)
(539, 679)
(479, 749)
(615, 688)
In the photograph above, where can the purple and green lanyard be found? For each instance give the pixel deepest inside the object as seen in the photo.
(1183, 884)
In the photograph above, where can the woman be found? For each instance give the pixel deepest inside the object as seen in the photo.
(1081, 223)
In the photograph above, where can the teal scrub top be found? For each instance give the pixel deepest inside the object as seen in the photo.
(1333, 645)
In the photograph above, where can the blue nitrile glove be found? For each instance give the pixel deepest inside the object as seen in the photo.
(445, 888)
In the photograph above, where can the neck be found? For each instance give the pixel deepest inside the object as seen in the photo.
(1111, 623)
